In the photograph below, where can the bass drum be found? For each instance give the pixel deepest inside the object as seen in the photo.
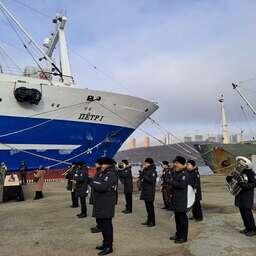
(191, 197)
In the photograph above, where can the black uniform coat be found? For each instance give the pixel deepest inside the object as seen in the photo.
(179, 198)
(104, 192)
(166, 186)
(69, 176)
(126, 179)
(166, 176)
(195, 182)
(148, 183)
(245, 198)
(98, 170)
(198, 185)
(82, 179)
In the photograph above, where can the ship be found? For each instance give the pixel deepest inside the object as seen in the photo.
(46, 119)
(220, 157)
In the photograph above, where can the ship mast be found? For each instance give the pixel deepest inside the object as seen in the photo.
(225, 133)
(50, 44)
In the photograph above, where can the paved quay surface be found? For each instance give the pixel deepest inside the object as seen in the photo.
(49, 227)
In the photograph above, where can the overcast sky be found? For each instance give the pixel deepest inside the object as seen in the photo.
(180, 53)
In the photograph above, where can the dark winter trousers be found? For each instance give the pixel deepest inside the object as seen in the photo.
(128, 199)
(23, 179)
(166, 196)
(83, 205)
(106, 228)
(181, 220)
(74, 199)
(150, 211)
(197, 210)
(248, 219)
(97, 224)
(39, 195)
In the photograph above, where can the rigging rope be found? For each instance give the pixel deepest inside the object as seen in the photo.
(90, 149)
(33, 9)
(147, 133)
(43, 123)
(26, 48)
(248, 121)
(167, 131)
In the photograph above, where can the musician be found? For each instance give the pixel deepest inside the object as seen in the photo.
(23, 173)
(165, 187)
(147, 178)
(178, 202)
(81, 182)
(195, 182)
(98, 166)
(125, 176)
(104, 191)
(244, 200)
(70, 186)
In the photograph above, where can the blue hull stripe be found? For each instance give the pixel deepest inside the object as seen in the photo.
(59, 132)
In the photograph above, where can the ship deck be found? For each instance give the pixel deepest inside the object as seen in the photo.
(50, 227)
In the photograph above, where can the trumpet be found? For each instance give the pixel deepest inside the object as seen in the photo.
(67, 171)
(121, 166)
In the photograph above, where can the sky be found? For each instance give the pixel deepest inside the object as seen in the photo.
(181, 54)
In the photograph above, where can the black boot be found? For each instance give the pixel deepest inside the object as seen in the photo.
(151, 224)
(101, 247)
(106, 251)
(82, 215)
(180, 241)
(95, 230)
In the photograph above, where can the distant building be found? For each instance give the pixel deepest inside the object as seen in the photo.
(188, 139)
(167, 139)
(132, 143)
(235, 138)
(199, 138)
(211, 139)
(219, 138)
(146, 142)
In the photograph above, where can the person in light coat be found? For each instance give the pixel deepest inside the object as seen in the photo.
(39, 182)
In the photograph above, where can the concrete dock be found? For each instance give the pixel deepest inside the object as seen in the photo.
(49, 227)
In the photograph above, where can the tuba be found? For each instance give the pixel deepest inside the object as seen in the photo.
(236, 178)
(233, 182)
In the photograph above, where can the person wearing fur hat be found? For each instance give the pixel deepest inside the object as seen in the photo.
(165, 186)
(147, 179)
(104, 199)
(178, 202)
(125, 176)
(195, 176)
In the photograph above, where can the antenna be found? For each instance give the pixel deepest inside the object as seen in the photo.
(225, 133)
